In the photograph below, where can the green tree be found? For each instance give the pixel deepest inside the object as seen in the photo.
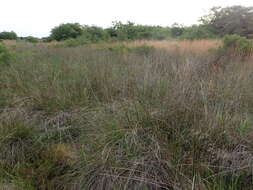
(66, 31)
(176, 30)
(198, 32)
(230, 20)
(128, 31)
(8, 35)
(31, 39)
(95, 33)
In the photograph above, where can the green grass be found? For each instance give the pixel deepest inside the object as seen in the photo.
(87, 118)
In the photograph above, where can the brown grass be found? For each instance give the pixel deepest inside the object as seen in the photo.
(184, 46)
(86, 118)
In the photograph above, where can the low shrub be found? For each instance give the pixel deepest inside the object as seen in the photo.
(32, 39)
(5, 55)
(75, 42)
(233, 48)
(238, 46)
(195, 32)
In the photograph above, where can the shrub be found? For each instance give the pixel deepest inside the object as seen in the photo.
(124, 31)
(237, 45)
(176, 30)
(94, 34)
(131, 31)
(233, 48)
(198, 32)
(91, 34)
(81, 40)
(5, 55)
(66, 31)
(230, 20)
(32, 39)
(47, 39)
(8, 35)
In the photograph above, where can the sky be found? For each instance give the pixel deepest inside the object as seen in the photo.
(38, 17)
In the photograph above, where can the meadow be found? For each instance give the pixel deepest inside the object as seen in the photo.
(141, 115)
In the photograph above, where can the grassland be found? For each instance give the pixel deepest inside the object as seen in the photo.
(126, 116)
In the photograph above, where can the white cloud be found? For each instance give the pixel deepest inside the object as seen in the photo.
(37, 18)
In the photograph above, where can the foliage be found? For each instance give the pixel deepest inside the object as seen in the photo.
(32, 39)
(123, 31)
(197, 32)
(131, 31)
(73, 42)
(233, 48)
(8, 35)
(240, 46)
(47, 39)
(230, 20)
(5, 55)
(66, 31)
(91, 34)
(176, 30)
(95, 34)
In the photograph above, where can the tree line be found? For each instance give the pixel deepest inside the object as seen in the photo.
(219, 22)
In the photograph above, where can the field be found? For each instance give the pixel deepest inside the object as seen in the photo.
(143, 115)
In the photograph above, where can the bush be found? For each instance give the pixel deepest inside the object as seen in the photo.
(237, 45)
(131, 31)
(5, 55)
(230, 20)
(176, 30)
(91, 34)
(198, 32)
(8, 35)
(47, 39)
(233, 48)
(94, 34)
(81, 40)
(32, 39)
(66, 31)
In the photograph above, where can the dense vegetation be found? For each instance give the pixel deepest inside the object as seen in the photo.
(127, 117)
(218, 23)
(230, 20)
(8, 36)
(131, 112)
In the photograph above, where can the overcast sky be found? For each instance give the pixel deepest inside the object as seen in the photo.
(38, 17)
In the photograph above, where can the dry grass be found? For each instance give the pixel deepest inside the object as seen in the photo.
(184, 46)
(86, 118)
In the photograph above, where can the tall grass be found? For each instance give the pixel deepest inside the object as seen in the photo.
(184, 46)
(92, 118)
